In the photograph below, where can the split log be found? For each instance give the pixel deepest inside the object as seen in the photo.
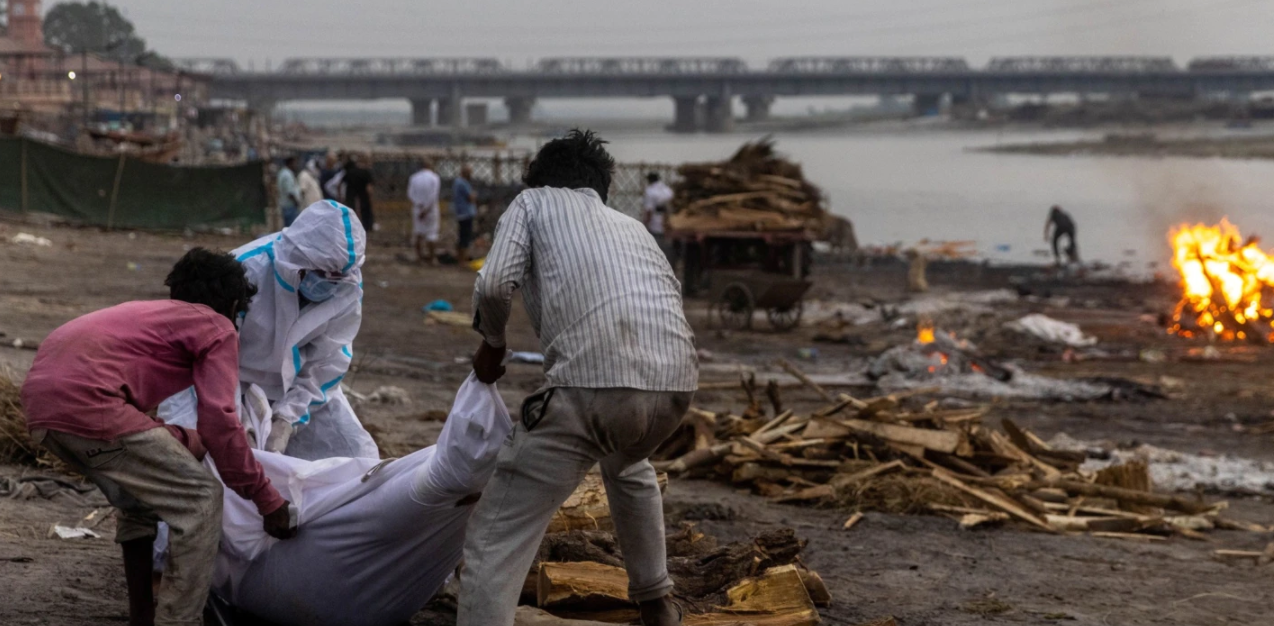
(700, 458)
(710, 574)
(776, 598)
(587, 507)
(815, 586)
(969, 521)
(1101, 524)
(996, 500)
(582, 586)
(1134, 475)
(1128, 496)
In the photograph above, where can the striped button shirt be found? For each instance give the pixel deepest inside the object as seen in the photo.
(600, 294)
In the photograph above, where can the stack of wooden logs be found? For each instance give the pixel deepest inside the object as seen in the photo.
(878, 454)
(578, 573)
(755, 190)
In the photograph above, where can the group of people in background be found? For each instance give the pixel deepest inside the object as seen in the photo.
(343, 180)
(347, 181)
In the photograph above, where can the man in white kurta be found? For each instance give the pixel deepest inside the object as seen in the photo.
(426, 215)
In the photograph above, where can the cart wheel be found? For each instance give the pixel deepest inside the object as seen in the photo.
(735, 307)
(785, 319)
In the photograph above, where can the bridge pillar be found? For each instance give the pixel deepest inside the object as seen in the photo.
(449, 112)
(475, 114)
(519, 110)
(925, 104)
(686, 118)
(758, 107)
(422, 112)
(718, 114)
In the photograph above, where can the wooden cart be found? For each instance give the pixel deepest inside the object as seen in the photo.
(743, 271)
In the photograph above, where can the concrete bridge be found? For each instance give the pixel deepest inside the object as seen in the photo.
(704, 88)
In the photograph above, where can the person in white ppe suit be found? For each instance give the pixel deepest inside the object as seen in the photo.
(296, 342)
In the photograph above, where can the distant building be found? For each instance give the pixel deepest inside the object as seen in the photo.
(39, 79)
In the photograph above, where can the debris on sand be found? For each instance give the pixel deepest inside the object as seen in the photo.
(1052, 331)
(16, 446)
(896, 455)
(27, 239)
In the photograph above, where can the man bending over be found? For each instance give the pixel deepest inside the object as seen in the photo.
(87, 397)
(620, 372)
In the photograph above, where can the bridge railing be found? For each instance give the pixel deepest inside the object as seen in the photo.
(1080, 64)
(1232, 64)
(642, 65)
(866, 65)
(391, 66)
(213, 66)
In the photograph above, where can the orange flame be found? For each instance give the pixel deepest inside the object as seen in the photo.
(924, 332)
(1224, 281)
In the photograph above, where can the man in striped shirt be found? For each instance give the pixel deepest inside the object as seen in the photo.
(620, 371)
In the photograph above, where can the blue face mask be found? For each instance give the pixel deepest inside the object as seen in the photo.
(316, 288)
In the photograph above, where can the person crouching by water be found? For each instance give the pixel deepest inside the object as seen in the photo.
(87, 397)
(1062, 225)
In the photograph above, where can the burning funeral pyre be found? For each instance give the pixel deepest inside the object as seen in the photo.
(1224, 279)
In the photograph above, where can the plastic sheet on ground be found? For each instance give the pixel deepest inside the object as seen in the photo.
(1051, 330)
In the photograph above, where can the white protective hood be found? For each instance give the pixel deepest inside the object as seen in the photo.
(298, 357)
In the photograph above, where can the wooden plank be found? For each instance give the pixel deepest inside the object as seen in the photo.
(799, 375)
(1129, 496)
(937, 440)
(853, 520)
(1004, 504)
(1132, 536)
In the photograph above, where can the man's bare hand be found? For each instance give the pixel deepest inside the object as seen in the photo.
(278, 523)
(488, 363)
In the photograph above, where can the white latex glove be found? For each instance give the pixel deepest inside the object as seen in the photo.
(280, 432)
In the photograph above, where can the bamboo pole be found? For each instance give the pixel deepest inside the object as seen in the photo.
(119, 175)
(25, 203)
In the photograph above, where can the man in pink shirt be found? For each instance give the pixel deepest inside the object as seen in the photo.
(87, 397)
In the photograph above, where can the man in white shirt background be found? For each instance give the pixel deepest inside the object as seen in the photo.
(422, 190)
(656, 202)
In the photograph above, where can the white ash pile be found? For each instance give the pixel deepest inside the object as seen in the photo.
(954, 366)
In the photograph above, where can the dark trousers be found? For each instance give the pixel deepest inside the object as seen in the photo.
(1072, 249)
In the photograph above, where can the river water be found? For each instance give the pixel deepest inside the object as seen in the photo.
(905, 186)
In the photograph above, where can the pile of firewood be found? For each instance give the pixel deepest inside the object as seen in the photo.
(877, 454)
(755, 190)
(578, 573)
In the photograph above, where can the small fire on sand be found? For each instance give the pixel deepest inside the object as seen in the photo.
(1223, 279)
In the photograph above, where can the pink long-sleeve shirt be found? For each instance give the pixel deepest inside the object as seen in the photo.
(98, 376)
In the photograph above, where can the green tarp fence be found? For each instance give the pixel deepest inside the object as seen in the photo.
(124, 192)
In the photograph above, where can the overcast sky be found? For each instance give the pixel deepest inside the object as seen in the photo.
(516, 31)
